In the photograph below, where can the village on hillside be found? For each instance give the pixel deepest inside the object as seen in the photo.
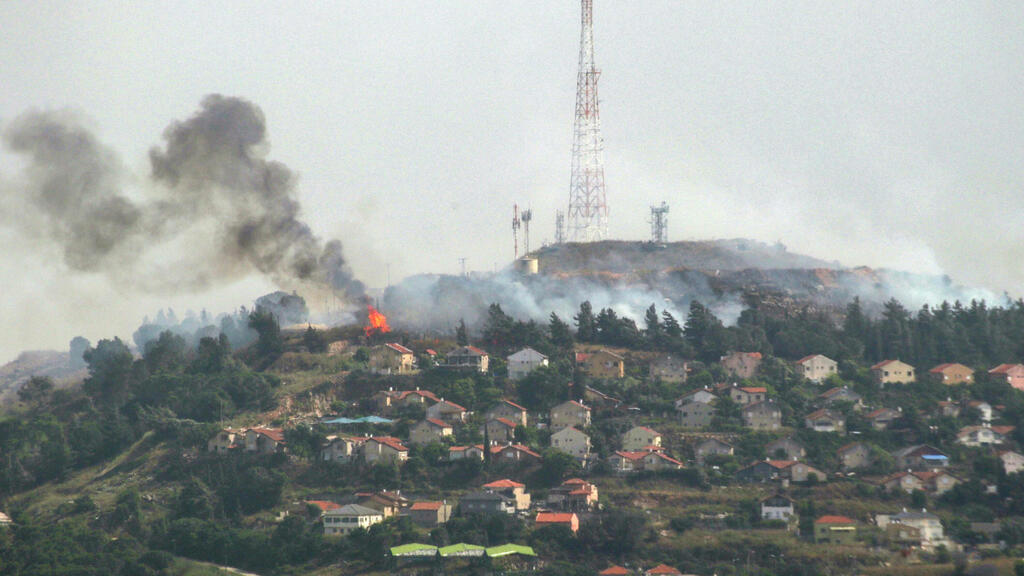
(595, 448)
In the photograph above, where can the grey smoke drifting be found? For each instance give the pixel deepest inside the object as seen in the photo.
(213, 209)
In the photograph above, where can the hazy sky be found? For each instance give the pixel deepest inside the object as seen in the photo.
(878, 133)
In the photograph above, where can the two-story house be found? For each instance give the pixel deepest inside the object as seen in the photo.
(854, 455)
(468, 358)
(641, 438)
(573, 495)
(763, 415)
(392, 358)
(601, 364)
(569, 413)
(509, 410)
(429, 430)
(816, 367)
(384, 450)
(1012, 374)
(668, 368)
(777, 507)
(825, 420)
(952, 374)
(523, 362)
(712, 447)
(572, 442)
(744, 395)
(741, 364)
(342, 520)
(342, 448)
(893, 372)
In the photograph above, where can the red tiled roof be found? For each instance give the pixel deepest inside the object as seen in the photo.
(390, 441)
(754, 389)
(275, 434)
(555, 517)
(834, 520)
(938, 369)
(821, 413)
(324, 505)
(513, 404)
(440, 423)
(520, 448)
(882, 364)
(655, 432)
(505, 483)
(580, 492)
(614, 571)
(450, 403)
(631, 455)
(780, 464)
(506, 422)
(574, 482)
(879, 412)
(1001, 369)
(663, 569)
(398, 348)
(849, 446)
(665, 457)
(426, 505)
(1004, 430)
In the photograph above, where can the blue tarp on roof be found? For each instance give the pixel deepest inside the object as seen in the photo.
(934, 457)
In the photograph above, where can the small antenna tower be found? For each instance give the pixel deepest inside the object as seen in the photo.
(659, 223)
(559, 227)
(515, 229)
(462, 262)
(526, 216)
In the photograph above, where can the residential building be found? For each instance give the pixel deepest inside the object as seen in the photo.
(893, 372)
(572, 442)
(919, 457)
(641, 438)
(487, 503)
(500, 430)
(699, 412)
(712, 447)
(835, 530)
(934, 482)
(1012, 374)
(764, 415)
(523, 362)
(882, 418)
(841, 394)
(703, 395)
(741, 364)
(384, 449)
(429, 430)
(342, 520)
(601, 364)
(785, 449)
(392, 358)
(949, 408)
(574, 495)
(567, 519)
(468, 358)
(616, 571)
(625, 462)
(777, 507)
(471, 452)
(668, 368)
(389, 400)
(509, 410)
(1013, 462)
(985, 410)
(510, 489)
(225, 440)
(517, 453)
(826, 420)
(430, 514)
(983, 435)
(792, 470)
(854, 455)
(342, 448)
(925, 527)
(744, 395)
(264, 440)
(952, 374)
(569, 413)
(816, 367)
(387, 502)
(447, 411)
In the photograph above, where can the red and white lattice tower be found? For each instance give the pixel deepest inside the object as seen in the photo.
(588, 213)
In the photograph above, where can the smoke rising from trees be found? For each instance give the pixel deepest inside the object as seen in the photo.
(213, 209)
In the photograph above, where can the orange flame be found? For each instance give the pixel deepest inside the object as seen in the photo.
(378, 322)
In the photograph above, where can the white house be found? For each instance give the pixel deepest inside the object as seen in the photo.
(816, 367)
(777, 507)
(641, 438)
(572, 442)
(525, 361)
(347, 518)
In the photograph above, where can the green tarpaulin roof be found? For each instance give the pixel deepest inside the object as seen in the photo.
(462, 549)
(414, 550)
(507, 549)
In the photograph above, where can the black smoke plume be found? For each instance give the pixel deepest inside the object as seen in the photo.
(214, 208)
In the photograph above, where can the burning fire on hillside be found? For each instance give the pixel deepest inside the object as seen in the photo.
(377, 323)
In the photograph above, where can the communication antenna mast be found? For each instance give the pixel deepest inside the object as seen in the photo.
(659, 223)
(588, 213)
(559, 227)
(526, 216)
(515, 229)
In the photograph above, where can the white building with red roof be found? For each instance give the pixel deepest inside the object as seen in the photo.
(893, 372)
(816, 367)
(447, 411)
(430, 430)
(384, 449)
(264, 440)
(1012, 374)
(392, 358)
(509, 410)
(510, 489)
(468, 358)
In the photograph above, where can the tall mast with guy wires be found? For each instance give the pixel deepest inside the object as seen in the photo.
(588, 213)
